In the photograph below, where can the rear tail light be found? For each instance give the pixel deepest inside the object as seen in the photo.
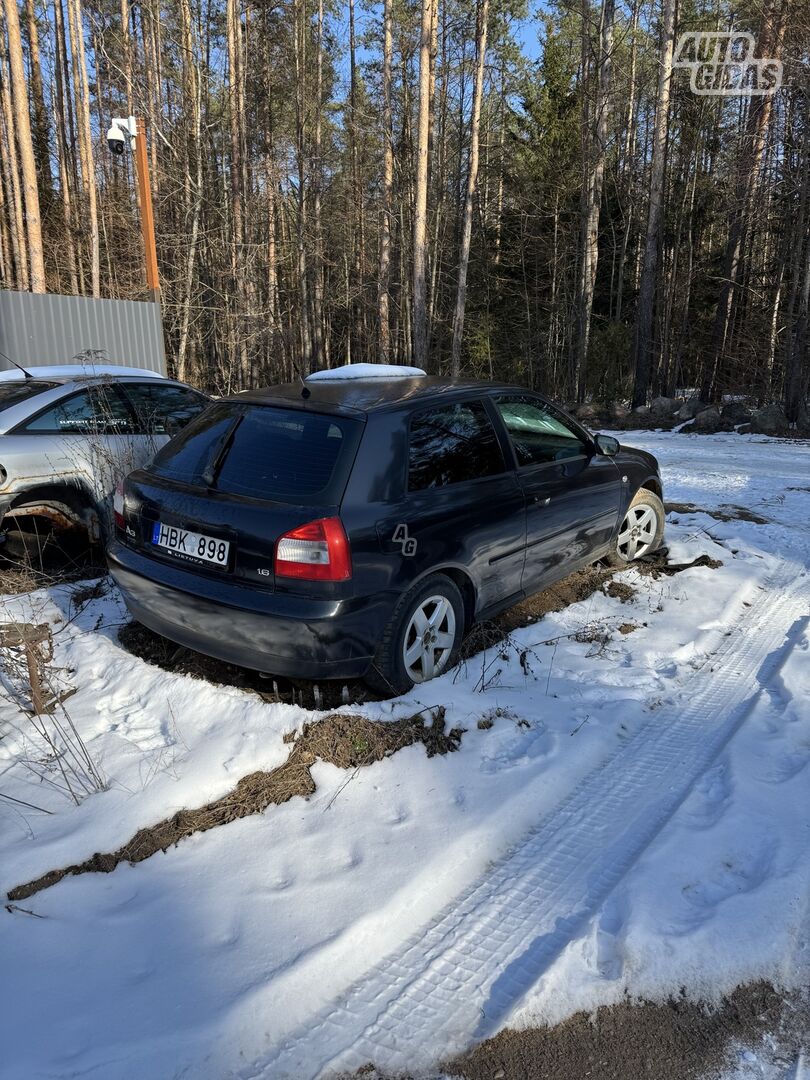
(318, 551)
(118, 506)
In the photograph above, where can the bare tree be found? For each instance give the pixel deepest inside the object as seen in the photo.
(22, 119)
(421, 331)
(472, 180)
(644, 331)
(81, 91)
(384, 282)
(748, 168)
(594, 159)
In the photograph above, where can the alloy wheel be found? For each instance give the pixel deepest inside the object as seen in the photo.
(429, 639)
(638, 532)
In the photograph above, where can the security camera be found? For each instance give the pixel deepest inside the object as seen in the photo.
(116, 140)
(123, 128)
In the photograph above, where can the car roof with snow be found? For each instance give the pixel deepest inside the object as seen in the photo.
(363, 388)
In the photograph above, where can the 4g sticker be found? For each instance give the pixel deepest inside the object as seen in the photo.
(408, 543)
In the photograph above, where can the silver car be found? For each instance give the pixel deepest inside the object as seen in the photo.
(67, 437)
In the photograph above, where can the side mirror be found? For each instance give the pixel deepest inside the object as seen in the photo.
(607, 445)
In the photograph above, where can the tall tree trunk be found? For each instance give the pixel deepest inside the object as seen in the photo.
(11, 175)
(41, 126)
(33, 226)
(6, 267)
(357, 313)
(192, 94)
(759, 114)
(799, 293)
(318, 329)
(66, 176)
(472, 180)
(82, 94)
(273, 299)
(501, 168)
(233, 40)
(594, 173)
(300, 148)
(627, 173)
(126, 48)
(388, 184)
(421, 333)
(645, 313)
(435, 174)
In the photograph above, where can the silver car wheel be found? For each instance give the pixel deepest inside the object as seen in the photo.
(638, 532)
(429, 639)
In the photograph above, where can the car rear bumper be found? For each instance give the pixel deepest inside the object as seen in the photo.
(282, 634)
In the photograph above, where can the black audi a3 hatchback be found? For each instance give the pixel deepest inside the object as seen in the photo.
(357, 525)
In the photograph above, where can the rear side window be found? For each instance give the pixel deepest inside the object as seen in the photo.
(285, 455)
(163, 410)
(13, 393)
(452, 444)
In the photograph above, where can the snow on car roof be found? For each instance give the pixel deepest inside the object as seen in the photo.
(366, 371)
(78, 371)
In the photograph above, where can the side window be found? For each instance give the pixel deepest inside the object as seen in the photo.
(162, 410)
(98, 410)
(538, 434)
(451, 444)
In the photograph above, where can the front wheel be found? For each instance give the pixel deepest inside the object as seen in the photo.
(423, 637)
(641, 531)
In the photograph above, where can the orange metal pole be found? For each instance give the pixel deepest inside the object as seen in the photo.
(147, 217)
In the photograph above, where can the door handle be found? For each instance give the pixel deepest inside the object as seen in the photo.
(541, 501)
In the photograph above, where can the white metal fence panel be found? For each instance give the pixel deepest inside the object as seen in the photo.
(46, 328)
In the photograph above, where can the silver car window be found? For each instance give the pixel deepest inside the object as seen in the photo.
(98, 410)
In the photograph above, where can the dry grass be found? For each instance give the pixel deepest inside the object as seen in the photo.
(571, 590)
(346, 740)
(727, 512)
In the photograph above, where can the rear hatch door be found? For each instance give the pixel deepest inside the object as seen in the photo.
(219, 496)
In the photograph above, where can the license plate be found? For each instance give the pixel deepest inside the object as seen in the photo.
(190, 545)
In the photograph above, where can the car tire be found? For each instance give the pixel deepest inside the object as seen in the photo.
(641, 531)
(434, 607)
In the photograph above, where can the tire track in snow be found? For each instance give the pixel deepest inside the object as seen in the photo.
(458, 978)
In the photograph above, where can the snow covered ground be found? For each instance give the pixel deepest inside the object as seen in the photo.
(635, 820)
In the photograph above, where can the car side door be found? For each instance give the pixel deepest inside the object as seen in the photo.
(573, 494)
(84, 437)
(462, 505)
(85, 434)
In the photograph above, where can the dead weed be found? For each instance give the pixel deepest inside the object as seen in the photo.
(726, 512)
(571, 590)
(346, 740)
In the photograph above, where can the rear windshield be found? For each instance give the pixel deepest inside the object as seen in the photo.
(285, 455)
(12, 393)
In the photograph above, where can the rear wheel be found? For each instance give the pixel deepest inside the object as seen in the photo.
(423, 637)
(34, 543)
(641, 531)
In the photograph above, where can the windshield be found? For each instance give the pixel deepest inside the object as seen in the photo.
(262, 452)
